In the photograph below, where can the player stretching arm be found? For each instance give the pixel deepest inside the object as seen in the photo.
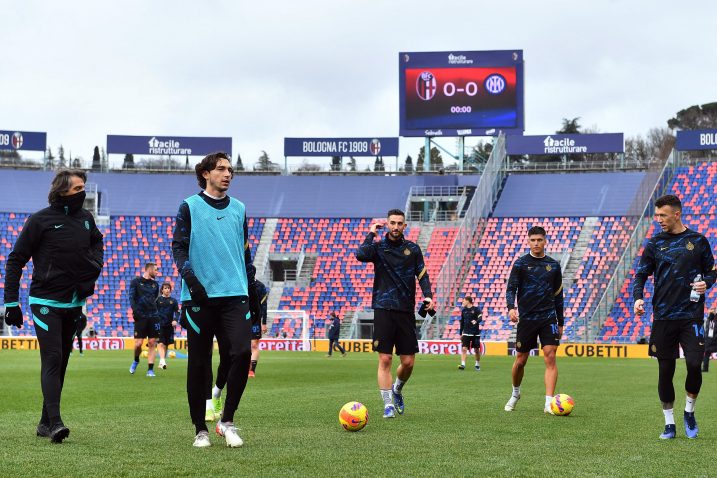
(397, 263)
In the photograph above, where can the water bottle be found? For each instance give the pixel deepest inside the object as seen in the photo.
(694, 296)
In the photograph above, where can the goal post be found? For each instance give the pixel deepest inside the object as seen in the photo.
(289, 324)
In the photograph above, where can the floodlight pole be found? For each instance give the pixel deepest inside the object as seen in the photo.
(461, 151)
(427, 155)
(286, 166)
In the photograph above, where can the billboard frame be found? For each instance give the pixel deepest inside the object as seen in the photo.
(460, 59)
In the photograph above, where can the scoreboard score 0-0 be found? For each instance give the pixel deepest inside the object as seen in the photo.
(461, 93)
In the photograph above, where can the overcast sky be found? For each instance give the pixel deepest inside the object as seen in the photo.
(260, 71)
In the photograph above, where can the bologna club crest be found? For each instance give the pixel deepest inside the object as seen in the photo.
(17, 140)
(426, 85)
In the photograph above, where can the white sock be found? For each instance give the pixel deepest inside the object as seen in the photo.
(463, 362)
(669, 416)
(387, 396)
(398, 385)
(516, 391)
(216, 392)
(690, 404)
(477, 363)
(209, 405)
(548, 399)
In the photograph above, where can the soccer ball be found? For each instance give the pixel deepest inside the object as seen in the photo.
(145, 354)
(353, 416)
(562, 404)
(172, 354)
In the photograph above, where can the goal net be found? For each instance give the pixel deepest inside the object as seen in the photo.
(288, 324)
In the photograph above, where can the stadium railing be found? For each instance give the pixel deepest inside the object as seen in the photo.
(458, 261)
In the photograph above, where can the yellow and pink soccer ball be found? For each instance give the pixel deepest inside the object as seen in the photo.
(562, 404)
(353, 416)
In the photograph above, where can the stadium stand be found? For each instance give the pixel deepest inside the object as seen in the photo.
(503, 242)
(328, 217)
(601, 256)
(339, 282)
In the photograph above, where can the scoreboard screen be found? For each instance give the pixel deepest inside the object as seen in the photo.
(461, 93)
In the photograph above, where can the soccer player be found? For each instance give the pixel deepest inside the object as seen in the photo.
(469, 329)
(258, 325)
(537, 283)
(80, 324)
(683, 267)
(167, 311)
(67, 252)
(143, 293)
(212, 253)
(710, 339)
(397, 263)
(332, 332)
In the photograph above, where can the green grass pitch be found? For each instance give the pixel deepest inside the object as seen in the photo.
(124, 425)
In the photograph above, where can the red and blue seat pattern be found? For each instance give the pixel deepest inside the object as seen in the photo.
(340, 283)
(504, 240)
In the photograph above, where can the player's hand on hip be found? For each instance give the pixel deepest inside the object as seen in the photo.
(513, 315)
(560, 331)
(699, 287)
(639, 307)
(263, 328)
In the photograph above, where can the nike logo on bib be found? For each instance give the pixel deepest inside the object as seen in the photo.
(220, 218)
(59, 226)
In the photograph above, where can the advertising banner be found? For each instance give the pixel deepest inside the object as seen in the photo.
(22, 141)
(167, 145)
(696, 140)
(565, 144)
(340, 147)
(428, 347)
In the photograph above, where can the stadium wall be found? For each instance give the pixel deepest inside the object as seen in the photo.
(568, 195)
(264, 196)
